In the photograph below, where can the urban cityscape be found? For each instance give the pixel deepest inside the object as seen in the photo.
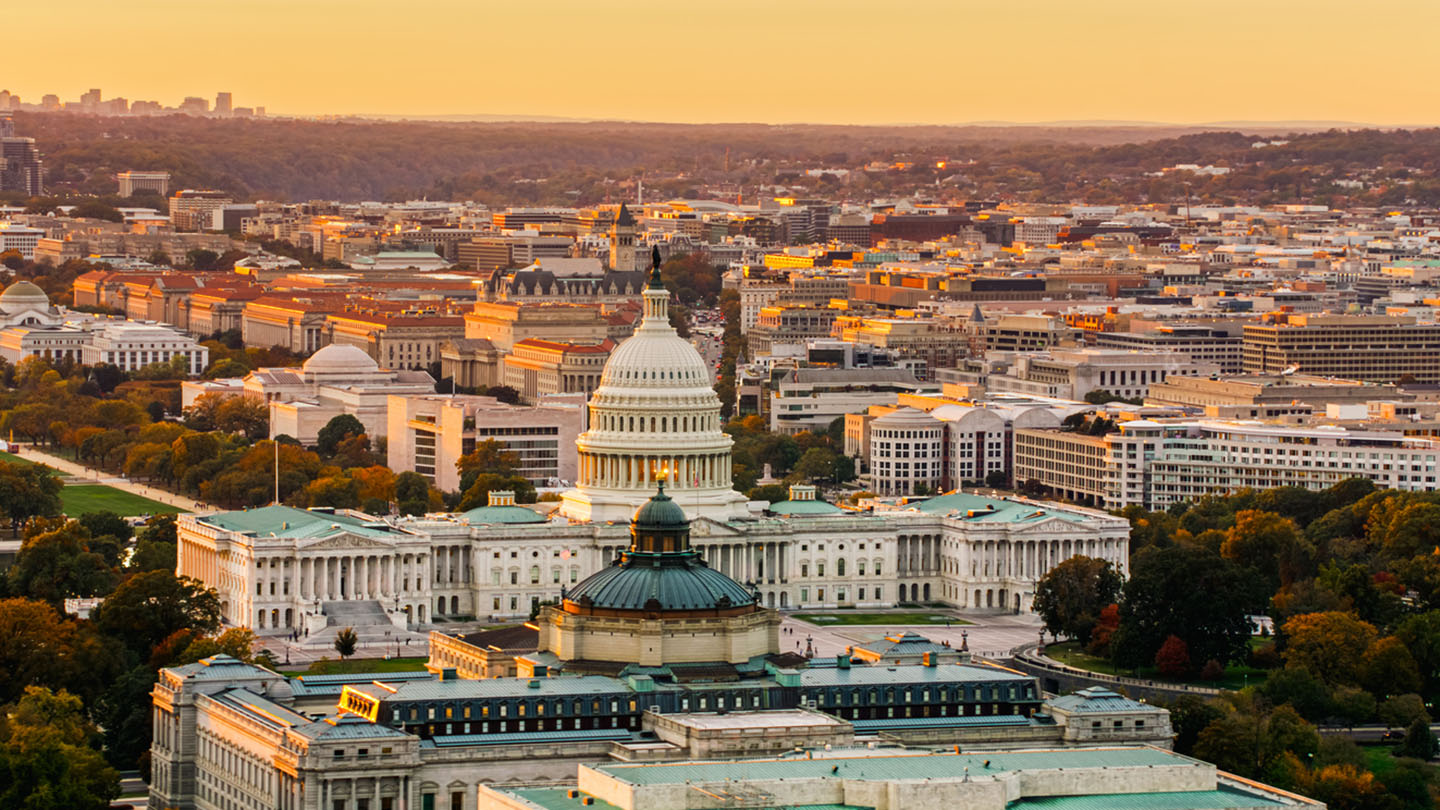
(355, 458)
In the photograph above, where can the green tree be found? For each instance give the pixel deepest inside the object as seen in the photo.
(336, 430)
(1071, 595)
(1419, 741)
(1188, 592)
(1389, 668)
(156, 545)
(56, 565)
(412, 493)
(489, 456)
(479, 492)
(27, 491)
(47, 761)
(346, 641)
(149, 606)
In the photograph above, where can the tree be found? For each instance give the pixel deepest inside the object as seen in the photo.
(817, 464)
(1389, 668)
(1173, 658)
(1298, 687)
(489, 456)
(412, 493)
(1188, 592)
(1419, 741)
(1332, 645)
(149, 606)
(1421, 636)
(35, 641)
(345, 642)
(774, 493)
(1402, 710)
(56, 565)
(337, 429)
(47, 762)
(226, 367)
(1070, 597)
(1270, 544)
(156, 545)
(27, 491)
(479, 492)
(1352, 705)
(377, 483)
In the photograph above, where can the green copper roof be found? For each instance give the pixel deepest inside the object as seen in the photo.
(660, 512)
(965, 506)
(815, 507)
(647, 582)
(287, 521)
(503, 514)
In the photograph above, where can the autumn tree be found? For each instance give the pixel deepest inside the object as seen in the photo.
(1332, 645)
(1070, 596)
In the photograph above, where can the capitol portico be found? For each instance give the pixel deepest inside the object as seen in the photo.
(279, 569)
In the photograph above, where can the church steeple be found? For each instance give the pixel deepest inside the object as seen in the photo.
(622, 241)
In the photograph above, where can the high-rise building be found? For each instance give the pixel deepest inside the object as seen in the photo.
(133, 181)
(194, 105)
(222, 104)
(20, 166)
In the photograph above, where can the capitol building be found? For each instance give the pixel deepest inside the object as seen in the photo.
(653, 676)
(654, 415)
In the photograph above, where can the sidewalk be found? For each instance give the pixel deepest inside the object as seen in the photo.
(80, 474)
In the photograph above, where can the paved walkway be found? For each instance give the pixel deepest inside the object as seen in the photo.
(80, 474)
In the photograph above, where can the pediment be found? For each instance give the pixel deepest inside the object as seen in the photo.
(710, 528)
(346, 542)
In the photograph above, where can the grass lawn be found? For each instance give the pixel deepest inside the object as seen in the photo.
(84, 498)
(1069, 652)
(351, 666)
(891, 619)
(14, 459)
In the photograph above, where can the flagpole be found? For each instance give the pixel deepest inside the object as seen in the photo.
(277, 472)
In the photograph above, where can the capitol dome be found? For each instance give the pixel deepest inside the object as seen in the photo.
(23, 295)
(654, 414)
(334, 360)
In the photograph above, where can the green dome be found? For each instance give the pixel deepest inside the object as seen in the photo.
(639, 585)
(660, 512)
(659, 572)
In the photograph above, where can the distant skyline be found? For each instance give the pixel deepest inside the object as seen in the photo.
(768, 61)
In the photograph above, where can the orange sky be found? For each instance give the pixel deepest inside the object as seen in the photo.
(876, 61)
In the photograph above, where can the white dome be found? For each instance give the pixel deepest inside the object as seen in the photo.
(656, 360)
(335, 359)
(654, 412)
(23, 295)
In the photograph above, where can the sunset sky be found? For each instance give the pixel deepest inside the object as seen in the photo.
(870, 61)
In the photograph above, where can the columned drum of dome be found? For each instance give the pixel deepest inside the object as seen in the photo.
(655, 412)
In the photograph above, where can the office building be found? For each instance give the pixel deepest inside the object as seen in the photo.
(191, 210)
(1371, 348)
(428, 433)
(152, 182)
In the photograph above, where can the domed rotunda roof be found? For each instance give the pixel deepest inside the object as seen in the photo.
(23, 295)
(336, 359)
(659, 573)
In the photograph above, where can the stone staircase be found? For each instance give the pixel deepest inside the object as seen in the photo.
(356, 613)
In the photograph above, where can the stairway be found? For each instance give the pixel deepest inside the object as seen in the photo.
(355, 613)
